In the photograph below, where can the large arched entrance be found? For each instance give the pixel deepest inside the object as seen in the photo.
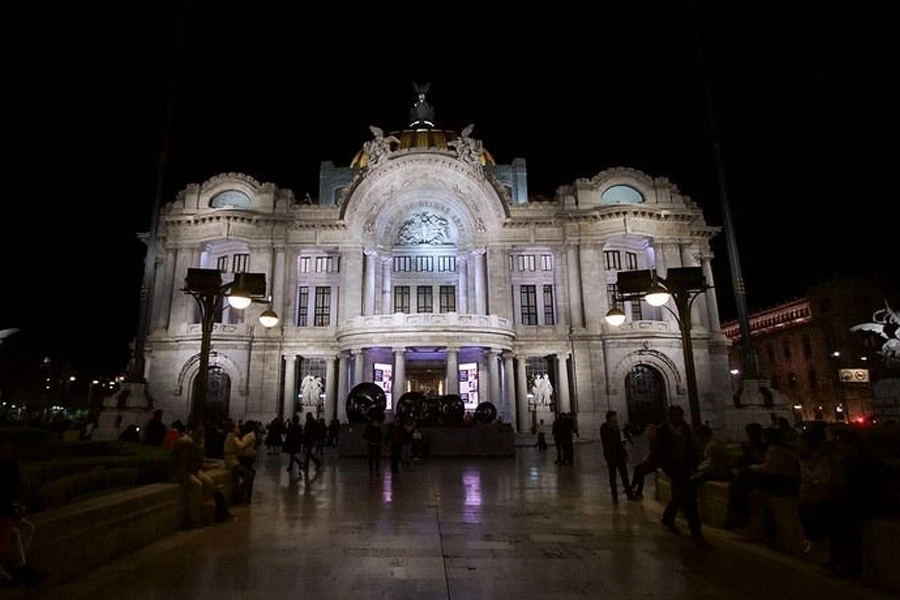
(646, 396)
(218, 395)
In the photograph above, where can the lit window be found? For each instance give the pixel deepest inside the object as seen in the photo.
(637, 311)
(526, 262)
(546, 262)
(631, 261)
(549, 312)
(303, 307)
(612, 295)
(613, 260)
(528, 295)
(241, 263)
(304, 264)
(401, 299)
(424, 299)
(222, 264)
(322, 317)
(447, 299)
(447, 264)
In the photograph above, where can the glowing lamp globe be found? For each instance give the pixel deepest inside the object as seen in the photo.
(615, 317)
(268, 318)
(239, 301)
(657, 295)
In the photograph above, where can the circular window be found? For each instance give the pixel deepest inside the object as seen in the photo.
(230, 199)
(621, 194)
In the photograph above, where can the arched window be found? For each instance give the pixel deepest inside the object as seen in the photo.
(621, 194)
(230, 199)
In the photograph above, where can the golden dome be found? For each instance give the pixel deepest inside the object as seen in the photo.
(419, 140)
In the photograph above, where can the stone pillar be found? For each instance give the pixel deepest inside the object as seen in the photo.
(359, 360)
(162, 290)
(342, 390)
(462, 294)
(563, 403)
(182, 305)
(478, 256)
(290, 385)
(369, 294)
(452, 385)
(665, 258)
(387, 265)
(522, 423)
(330, 401)
(712, 304)
(399, 373)
(592, 278)
(509, 390)
(278, 290)
(573, 276)
(350, 301)
(697, 315)
(498, 283)
(285, 307)
(494, 374)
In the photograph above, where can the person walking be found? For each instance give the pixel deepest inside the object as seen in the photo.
(312, 435)
(542, 436)
(293, 443)
(373, 437)
(615, 454)
(677, 455)
(646, 466)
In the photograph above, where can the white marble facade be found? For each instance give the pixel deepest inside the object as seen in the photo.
(427, 261)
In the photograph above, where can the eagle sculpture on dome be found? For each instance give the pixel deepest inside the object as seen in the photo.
(886, 323)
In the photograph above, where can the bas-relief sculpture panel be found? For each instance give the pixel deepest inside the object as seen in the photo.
(424, 228)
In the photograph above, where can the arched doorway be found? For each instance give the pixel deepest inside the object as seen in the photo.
(218, 395)
(646, 396)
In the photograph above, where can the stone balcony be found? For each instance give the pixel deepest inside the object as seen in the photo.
(426, 329)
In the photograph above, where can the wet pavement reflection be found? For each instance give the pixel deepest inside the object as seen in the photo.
(447, 528)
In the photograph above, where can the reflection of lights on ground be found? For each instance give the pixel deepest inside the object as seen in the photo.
(534, 474)
(472, 485)
(387, 488)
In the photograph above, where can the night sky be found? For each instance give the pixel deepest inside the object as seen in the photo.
(805, 94)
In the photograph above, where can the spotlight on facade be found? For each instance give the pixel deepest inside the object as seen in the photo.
(657, 295)
(615, 317)
(735, 371)
(268, 318)
(835, 354)
(798, 407)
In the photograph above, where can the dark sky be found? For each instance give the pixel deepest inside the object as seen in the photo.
(806, 97)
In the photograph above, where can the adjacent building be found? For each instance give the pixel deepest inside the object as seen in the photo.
(425, 265)
(808, 350)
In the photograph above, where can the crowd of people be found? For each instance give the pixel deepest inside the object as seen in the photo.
(841, 475)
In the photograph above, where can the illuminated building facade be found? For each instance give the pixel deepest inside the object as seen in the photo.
(424, 265)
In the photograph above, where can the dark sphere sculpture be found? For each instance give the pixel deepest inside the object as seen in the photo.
(362, 399)
(411, 406)
(452, 410)
(485, 412)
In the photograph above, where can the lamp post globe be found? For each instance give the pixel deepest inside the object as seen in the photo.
(268, 318)
(239, 301)
(657, 295)
(615, 317)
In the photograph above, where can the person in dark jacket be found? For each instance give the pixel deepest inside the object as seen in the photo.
(155, 430)
(678, 458)
(373, 437)
(293, 443)
(615, 454)
(312, 434)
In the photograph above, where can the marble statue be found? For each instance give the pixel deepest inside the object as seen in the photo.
(378, 149)
(311, 390)
(886, 323)
(468, 149)
(542, 390)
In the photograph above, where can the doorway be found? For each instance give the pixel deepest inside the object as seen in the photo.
(646, 396)
(218, 395)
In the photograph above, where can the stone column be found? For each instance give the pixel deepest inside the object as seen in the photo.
(330, 401)
(182, 305)
(712, 304)
(562, 383)
(480, 284)
(369, 294)
(358, 364)
(162, 290)
(278, 290)
(462, 294)
(593, 277)
(522, 398)
(350, 301)
(697, 315)
(494, 374)
(452, 385)
(399, 373)
(509, 389)
(342, 390)
(290, 385)
(387, 292)
(573, 276)
(286, 308)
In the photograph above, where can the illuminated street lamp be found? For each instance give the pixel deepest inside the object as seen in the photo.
(683, 285)
(207, 288)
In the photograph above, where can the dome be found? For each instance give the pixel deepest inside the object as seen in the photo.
(423, 139)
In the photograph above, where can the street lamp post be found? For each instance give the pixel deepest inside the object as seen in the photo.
(208, 290)
(682, 285)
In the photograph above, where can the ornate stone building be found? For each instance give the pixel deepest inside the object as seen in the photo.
(424, 265)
